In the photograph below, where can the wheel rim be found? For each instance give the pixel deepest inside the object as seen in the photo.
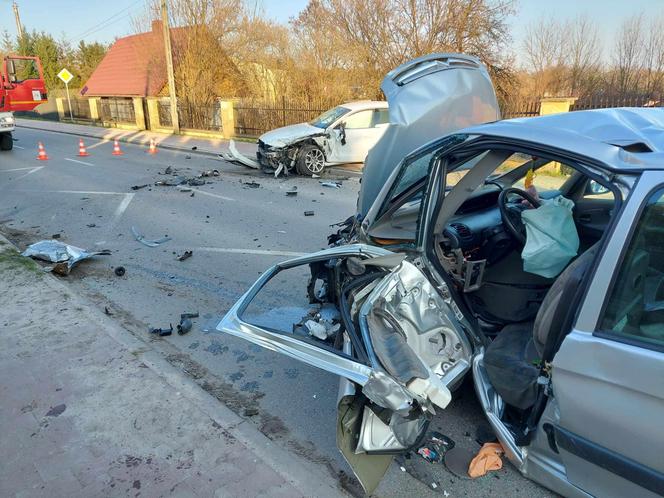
(314, 160)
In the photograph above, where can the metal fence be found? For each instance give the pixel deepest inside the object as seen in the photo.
(254, 117)
(192, 117)
(604, 102)
(80, 109)
(117, 110)
(522, 109)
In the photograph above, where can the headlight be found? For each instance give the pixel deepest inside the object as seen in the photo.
(7, 119)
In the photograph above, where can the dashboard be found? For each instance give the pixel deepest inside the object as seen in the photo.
(477, 220)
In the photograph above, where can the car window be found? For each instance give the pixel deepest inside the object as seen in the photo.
(595, 190)
(361, 119)
(381, 116)
(635, 309)
(329, 117)
(549, 176)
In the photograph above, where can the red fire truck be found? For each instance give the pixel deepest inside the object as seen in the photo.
(21, 89)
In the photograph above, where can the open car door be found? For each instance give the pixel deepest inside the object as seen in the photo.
(371, 317)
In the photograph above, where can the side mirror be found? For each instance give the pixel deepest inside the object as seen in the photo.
(594, 188)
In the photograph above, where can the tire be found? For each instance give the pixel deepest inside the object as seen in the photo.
(6, 142)
(310, 160)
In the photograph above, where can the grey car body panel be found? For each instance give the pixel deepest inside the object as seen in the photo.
(597, 387)
(592, 134)
(429, 97)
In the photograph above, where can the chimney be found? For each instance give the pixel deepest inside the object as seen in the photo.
(157, 26)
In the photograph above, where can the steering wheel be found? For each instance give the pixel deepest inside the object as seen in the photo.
(510, 212)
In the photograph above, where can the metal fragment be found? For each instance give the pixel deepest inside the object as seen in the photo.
(64, 256)
(150, 243)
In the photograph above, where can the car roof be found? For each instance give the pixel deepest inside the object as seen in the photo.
(625, 139)
(360, 105)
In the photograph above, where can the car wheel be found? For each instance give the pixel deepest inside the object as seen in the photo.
(6, 142)
(310, 160)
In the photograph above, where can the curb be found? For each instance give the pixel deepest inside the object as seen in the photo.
(333, 170)
(300, 473)
(124, 140)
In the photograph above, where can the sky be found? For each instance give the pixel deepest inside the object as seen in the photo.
(85, 19)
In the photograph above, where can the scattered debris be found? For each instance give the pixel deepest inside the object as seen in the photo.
(107, 311)
(183, 189)
(63, 255)
(435, 448)
(308, 213)
(168, 170)
(184, 326)
(250, 412)
(486, 460)
(56, 236)
(195, 182)
(138, 187)
(457, 461)
(185, 255)
(150, 243)
(120, 271)
(251, 184)
(194, 147)
(56, 410)
(187, 157)
(235, 156)
(330, 184)
(210, 172)
(91, 225)
(162, 332)
(189, 315)
(171, 182)
(315, 176)
(292, 192)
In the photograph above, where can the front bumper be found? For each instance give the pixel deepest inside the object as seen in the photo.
(271, 157)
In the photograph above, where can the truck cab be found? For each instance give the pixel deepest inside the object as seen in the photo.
(21, 89)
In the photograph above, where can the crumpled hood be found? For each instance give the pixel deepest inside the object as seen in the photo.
(429, 97)
(288, 134)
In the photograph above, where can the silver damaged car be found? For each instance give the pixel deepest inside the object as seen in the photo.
(568, 367)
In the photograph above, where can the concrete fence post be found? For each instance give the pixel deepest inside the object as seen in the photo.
(60, 106)
(555, 105)
(153, 113)
(94, 108)
(227, 118)
(139, 113)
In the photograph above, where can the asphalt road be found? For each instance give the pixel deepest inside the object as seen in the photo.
(236, 230)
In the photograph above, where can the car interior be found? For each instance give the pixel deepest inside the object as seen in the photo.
(523, 313)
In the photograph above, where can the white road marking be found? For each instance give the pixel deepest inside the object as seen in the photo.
(288, 254)
(19, 147)
(69, 192)
(14, 169)
(212, 195)
(79, 162)
(124, 204)
(102, 142)
(32, 170)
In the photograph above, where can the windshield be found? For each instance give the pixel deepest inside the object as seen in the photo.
(329, 117)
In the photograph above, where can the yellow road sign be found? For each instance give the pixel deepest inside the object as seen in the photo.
(65, 76)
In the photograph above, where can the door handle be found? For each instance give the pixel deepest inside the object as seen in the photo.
(586, 218)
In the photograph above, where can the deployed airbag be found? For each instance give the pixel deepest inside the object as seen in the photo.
(551, 237)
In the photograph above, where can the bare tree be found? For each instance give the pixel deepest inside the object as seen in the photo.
(653, 58)
(628, 55)
(582, 56)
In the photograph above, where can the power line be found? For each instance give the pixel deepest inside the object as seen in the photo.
(105, 23)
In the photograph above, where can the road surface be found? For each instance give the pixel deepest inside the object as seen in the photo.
(236, 229)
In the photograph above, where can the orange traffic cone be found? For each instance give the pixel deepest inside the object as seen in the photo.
(153, 147)
(116, 149)
(42, 152)
(82, 152)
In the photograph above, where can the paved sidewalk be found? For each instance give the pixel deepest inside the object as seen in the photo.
(206, 146)
(90, 410)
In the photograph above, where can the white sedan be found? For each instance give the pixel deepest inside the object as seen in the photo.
(343, 134)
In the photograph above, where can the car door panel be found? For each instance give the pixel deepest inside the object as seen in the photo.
(592, 216)
(414, 351)
(607, 385)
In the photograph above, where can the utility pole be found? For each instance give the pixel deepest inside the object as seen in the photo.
(169, 67)
(19, 26)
